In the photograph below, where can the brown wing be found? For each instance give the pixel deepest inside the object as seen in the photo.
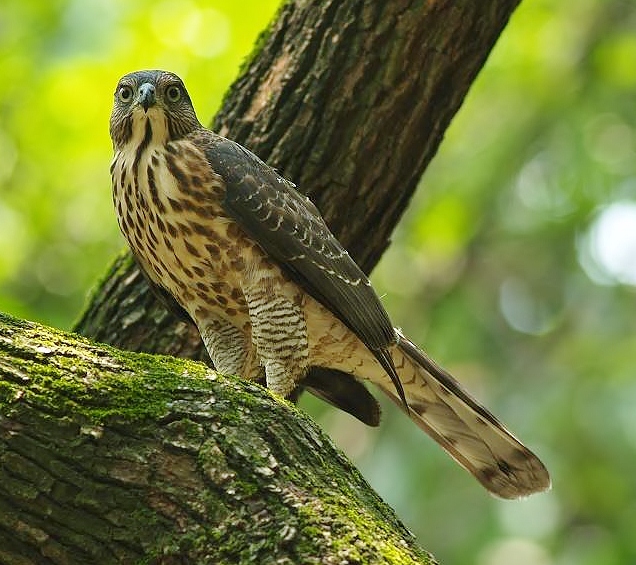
(291, 230)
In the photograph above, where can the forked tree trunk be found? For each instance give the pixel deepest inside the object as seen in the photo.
(112, 457)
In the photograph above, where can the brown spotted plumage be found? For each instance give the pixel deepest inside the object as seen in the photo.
(228, 242)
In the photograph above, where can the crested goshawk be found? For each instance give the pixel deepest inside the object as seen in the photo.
(275, 296)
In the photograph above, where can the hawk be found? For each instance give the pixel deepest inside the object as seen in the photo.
(276, 298)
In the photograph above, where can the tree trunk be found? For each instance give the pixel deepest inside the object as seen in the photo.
(350, 100)
(114, 457)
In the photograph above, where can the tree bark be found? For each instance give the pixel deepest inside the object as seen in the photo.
(115, 457)
(350, 100)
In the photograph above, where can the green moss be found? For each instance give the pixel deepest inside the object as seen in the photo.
(73, 375)
(352, 534)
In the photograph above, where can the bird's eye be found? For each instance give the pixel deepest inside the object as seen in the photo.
(125, 94)
(173, 93)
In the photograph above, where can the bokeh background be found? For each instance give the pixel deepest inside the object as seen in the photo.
(515, 265)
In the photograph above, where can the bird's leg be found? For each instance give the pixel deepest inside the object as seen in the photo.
(279, 332)
(227, 345)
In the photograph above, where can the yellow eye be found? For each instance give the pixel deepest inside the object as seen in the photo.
(125, 94)
(173, 93)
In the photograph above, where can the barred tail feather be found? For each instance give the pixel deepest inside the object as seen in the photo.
(465, 429)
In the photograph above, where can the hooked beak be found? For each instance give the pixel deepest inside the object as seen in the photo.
(147, 96)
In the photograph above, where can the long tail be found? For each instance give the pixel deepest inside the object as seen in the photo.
(465, 429)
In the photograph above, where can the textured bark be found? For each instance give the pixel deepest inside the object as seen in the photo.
(115, 457)
(350, 100)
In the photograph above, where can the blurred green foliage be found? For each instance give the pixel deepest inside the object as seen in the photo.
(61, 61)
(518, 254)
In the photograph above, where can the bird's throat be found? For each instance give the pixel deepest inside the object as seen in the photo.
(150, 129)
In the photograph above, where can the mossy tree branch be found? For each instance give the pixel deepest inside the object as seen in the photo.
(115, 457)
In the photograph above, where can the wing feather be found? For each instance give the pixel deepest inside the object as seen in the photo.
(290, 229)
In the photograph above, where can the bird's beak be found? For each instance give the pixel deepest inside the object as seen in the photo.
(147, 96)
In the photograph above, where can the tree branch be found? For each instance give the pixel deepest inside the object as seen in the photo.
(114, 457)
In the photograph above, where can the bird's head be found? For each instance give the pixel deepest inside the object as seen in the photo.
(151, 103)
